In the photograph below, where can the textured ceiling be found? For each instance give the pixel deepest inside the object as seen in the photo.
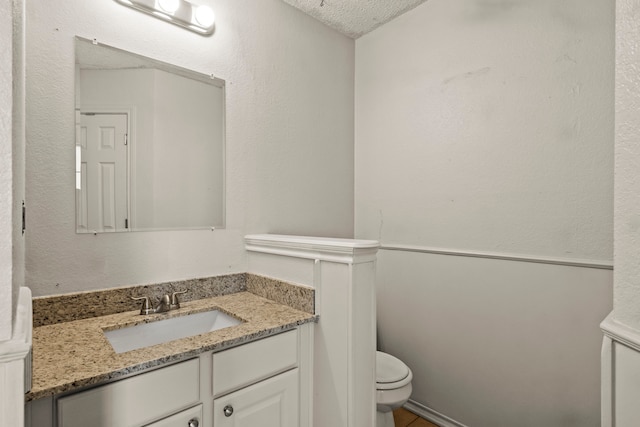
(354, 17)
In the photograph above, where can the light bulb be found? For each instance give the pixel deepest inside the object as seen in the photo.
(169, 6)
(204, 16)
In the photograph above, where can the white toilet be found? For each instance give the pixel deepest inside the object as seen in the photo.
(393, 387)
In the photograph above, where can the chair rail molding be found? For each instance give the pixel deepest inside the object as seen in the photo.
(348, 251)
(569, 262)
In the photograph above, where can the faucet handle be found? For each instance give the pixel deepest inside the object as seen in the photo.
(146, 305)
(174, 299)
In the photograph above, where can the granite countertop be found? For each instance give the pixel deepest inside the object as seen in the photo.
(76, 354)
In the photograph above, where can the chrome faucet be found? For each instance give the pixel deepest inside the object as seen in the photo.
(165, 304)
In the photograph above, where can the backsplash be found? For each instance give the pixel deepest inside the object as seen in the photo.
(82, 305)
(295, 296)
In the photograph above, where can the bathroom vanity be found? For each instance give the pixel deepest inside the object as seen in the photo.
(256, 373)
(276, 368)
(252, 384)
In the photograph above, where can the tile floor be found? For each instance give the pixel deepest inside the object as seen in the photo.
(404, 418)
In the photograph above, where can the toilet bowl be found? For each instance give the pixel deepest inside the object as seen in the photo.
(393, 387)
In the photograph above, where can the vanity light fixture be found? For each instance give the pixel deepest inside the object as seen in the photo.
(197, 18)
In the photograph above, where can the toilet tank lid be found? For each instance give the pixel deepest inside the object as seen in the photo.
(389, 369)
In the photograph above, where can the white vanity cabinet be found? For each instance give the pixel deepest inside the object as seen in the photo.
(257, 384)
(266, 383)
(135, 401)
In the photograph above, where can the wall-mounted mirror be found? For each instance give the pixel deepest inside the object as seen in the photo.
(149, 143)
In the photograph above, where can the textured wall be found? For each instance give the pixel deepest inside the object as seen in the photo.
(487, 125)
(18, 153)
(11, 160)
(6, 177)
(354, 17)
(289, 146)
(627, 190)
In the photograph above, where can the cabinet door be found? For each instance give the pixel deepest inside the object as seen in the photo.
(189, 418)
(269, 403)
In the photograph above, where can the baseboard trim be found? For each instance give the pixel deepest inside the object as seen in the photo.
(431, 415)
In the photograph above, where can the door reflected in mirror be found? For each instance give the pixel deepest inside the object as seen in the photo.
(149, 144)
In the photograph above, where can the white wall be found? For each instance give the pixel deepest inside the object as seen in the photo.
(496, 343)
(18, 152)
(487, 126)
(621, 345)
(627, 196)
(11, 160)
(7, 304)
(289, 156)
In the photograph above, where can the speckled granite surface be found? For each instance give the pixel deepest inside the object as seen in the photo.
(72, 355)
(297, 296)
(83, 305)
(70, 350)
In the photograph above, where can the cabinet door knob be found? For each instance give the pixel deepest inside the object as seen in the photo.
(193, 422)
(228, 410)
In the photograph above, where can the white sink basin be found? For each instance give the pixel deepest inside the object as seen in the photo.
(161, 331)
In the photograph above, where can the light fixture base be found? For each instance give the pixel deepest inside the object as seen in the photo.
(193, 17)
